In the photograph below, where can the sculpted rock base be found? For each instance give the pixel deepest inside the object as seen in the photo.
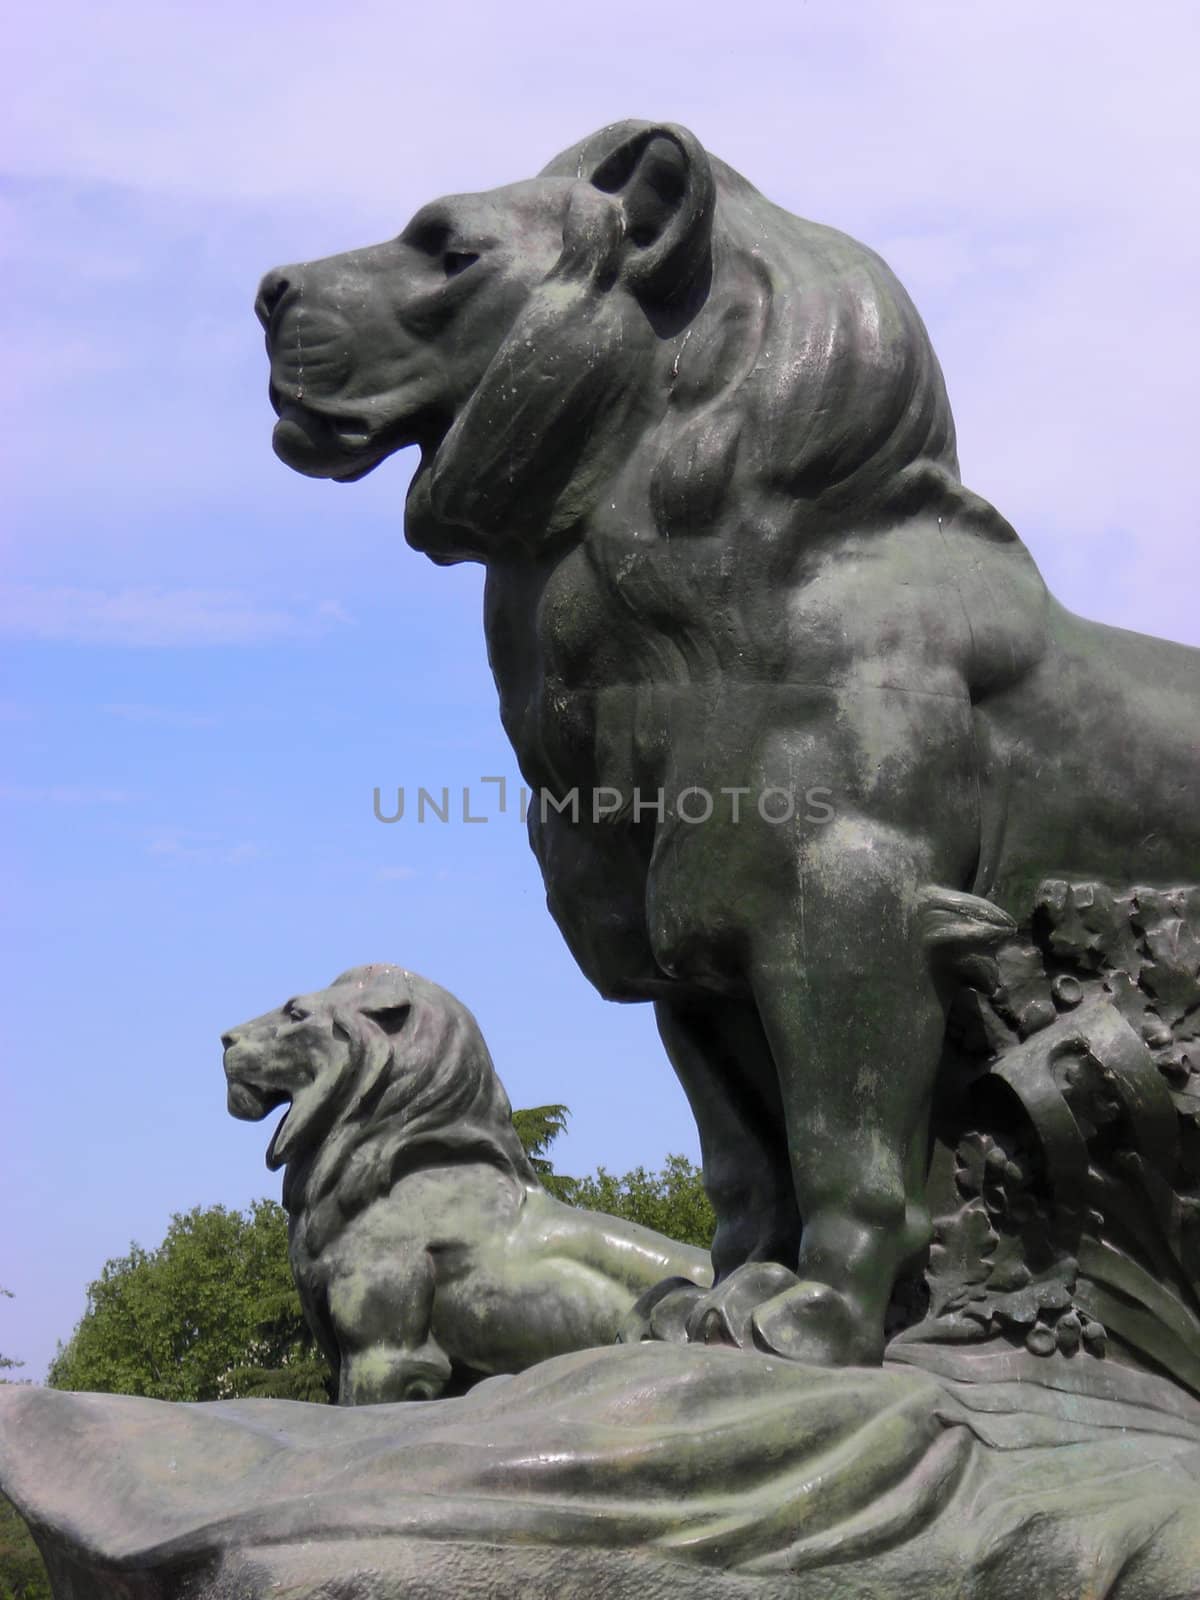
(638, 1471)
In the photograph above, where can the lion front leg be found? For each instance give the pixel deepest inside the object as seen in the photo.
(382, 1313)
(383, 1372)
(848, 1002)
(812, 1099)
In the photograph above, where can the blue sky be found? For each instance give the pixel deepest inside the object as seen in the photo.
(209, 663)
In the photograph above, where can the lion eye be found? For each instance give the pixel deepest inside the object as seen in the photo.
(456, 261)
(295, 1013)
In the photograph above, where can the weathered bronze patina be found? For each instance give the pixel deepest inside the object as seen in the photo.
(907, 859)
(705, 452)
(426, 1252)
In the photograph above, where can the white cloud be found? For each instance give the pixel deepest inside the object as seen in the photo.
(63, 794)
(926, 102)
(1027, 168)
(151, 617)
(185, 844)
(333, 611)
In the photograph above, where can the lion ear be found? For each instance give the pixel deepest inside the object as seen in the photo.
(390, 1018)
(663, 180)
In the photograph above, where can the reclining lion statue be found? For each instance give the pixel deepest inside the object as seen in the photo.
(426, 1252)
(704, 450)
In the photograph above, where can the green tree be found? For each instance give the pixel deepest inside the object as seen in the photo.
(210, 1314)
(7, 1363)
(671, 1200)
(537, 1128)
(22, 1575)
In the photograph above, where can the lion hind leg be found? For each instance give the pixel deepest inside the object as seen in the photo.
(725, 1067)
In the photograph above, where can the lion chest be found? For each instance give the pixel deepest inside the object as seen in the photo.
(575, 678)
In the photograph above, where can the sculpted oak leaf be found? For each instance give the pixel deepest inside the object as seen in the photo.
(1009, 1272)
(1177, 1063)
(959, 1261)
(1022, 996)
(1172, 975)
(1050, 1292)
(1129, 999)
(967, 1326)
(971, 1156)
(1090, 927)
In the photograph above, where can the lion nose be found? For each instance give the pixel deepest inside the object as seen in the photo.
(270, 292)
(228, 1040)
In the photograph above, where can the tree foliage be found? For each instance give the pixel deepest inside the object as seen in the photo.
(22, 1575)
(671, 1200)
(210, 1314)
(537, 1128)
(7, 1363)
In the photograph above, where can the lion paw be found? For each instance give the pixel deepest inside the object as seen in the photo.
(661, 1314)
(761, 1306)
(724, 1315)
(814, 1323)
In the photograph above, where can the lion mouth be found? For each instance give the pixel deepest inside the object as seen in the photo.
(250, 1103)
(318, 447)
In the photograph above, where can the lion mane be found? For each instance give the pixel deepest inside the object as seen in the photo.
(416, 1087)
(804, 396)
(806, 374)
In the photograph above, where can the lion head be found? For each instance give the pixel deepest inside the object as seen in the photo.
(382, 1071)
(636, 339)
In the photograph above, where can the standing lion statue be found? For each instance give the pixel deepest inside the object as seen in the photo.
(704, 450)
(426, 1252)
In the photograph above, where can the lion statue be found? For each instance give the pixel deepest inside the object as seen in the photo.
(426, 1252)
(704, 450)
